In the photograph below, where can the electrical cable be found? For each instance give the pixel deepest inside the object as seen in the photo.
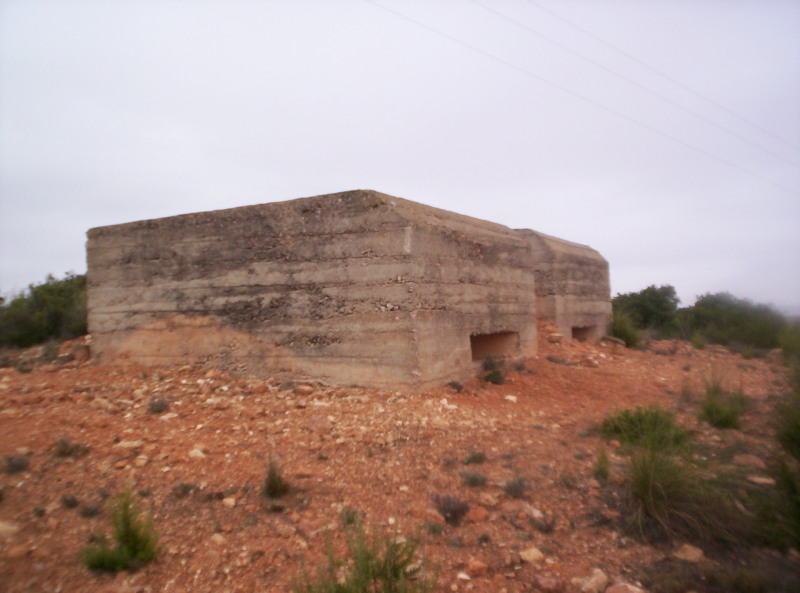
(579, 96)
(665, 75)
(635, 83)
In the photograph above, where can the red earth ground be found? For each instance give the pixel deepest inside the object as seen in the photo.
(380, 454)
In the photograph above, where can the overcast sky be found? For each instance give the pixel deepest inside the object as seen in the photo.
(665, 134)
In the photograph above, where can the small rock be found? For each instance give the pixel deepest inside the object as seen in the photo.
(17, 552)
(284, 530)
(689, 553)
(532, 555)
(595, 583)
(487, 499)
(476, 515)
(624, 588)
(219, 539)
(258, 388)
(141, 461)
(8, 529)
(761, 480)
(463, 576)
(197, 453)
(750, 460)
(476, 568)
(304, 390)
(511, 398)
(432, 516)
(555, 338)
(229, 502)
(551, 584)
(532, 512)
(128, 444)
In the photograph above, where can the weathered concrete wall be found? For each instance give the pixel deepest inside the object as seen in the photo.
(572, 286)
(357, 287)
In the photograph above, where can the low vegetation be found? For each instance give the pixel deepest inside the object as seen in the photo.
(723, 409)
(450, 507)
(601, 466)
(670, 499)
(274, 484)
(650, 427)
(374, 563)
(719, 318)
(473, 479)
(667, 496)
(516, 488)
(493, 372)
(135, 540)
(52, 310)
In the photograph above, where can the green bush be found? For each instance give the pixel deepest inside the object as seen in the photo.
(650, 427)
(135, 541)
(651, 308)
(723, 411)
(374, 564)
(724, 319)
(54, 309)
(671, 500)
(720, 407)
(622, 327)
(718, 318)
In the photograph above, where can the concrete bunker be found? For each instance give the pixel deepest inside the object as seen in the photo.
(500, 345)
(351, 288)
(572, 286)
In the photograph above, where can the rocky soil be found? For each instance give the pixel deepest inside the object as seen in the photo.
(194, 445)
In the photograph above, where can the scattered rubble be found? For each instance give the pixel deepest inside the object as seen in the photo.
(348, 453)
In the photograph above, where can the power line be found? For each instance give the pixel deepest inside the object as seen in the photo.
(633, 82)
(577, 95)
(665, 75)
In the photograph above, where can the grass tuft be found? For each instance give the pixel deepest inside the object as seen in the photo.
(496, 377)
(670, 500)
(651, 427)
(274, 484)
(475, 457)
(450, 507)
(473, 479)
(720, 408)
(17, 463)
(516, 488)
(66, 448)
(135, 541)
(601, 466)
(374, 563)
